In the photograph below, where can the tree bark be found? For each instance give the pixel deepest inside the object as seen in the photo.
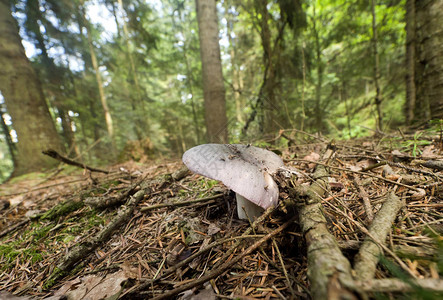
(378, 94)
(235, 70)
(213, 87)
(320, 69)
(429, 60)
(24, 100)
(270, 60)
(410, 61)
(52, 87)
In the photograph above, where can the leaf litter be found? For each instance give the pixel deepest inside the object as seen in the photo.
(183, 228)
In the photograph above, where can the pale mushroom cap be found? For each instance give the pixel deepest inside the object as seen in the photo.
(244, 169)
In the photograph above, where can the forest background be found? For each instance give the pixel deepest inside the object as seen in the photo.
(122, 75)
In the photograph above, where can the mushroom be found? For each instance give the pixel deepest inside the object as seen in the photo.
(244, 169)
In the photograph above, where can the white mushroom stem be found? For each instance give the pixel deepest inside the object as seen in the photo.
(246, 208)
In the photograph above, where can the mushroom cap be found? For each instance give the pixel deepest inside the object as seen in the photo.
(245, 169)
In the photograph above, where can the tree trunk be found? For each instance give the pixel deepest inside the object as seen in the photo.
(318, 86)
(378, 95)
(213, 86)
(235, 70)
(91, 121)
(141, 126)
(410, 61)
(269, 104)
(52, 86)
(189, 75)
(99, 80)
(24, 100)
(429, 60)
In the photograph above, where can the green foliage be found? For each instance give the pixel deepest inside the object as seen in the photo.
(42, 239)
(414, 145)
(320, 53)
(397, 272)
(6, 164)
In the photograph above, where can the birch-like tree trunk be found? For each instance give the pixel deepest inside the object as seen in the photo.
(213, 86)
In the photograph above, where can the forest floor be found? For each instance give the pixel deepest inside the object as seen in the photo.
(361, 220)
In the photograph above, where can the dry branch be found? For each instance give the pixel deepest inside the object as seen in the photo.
(180, 204)
(54, 154)
(184, 262)
(225, 266)
(366, 202)
(85, 248)
(328, 269)
(368, 256)
(397, 285)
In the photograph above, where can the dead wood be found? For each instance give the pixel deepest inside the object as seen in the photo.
(54, 154)
(210, 236)
(362, 173)
(225, 266)
(365, 198)
(86, 247)
(14, 227)
(186, 261)
(433, 164)
(109, 200)
(124, 214)
(205, 200)
(146, 283)
(328, 269)
(423, 251)
(368, 256)
(398, 285)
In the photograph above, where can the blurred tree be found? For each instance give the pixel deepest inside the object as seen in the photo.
(137, 103)
(376, 57)
(213, 84)
(24, 100)
(98, 76)
(51, 76)
(429, 59)
(410, 61)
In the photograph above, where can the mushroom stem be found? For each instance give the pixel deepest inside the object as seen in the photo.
(246, 208)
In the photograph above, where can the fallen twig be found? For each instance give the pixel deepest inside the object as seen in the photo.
(398, 285)
(361, 173)
(368, 256)
(366, 202)
(83, 249)
(14, 227)
(328, 269)
(179, 204)
(54, 154)
(226, 265)
(382, 245)
(186, 261)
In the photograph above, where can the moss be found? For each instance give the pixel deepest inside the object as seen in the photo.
(52, 280)
(13, 251)
(62, 209)
(40, 233)
(109, 184)
(28, 176)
